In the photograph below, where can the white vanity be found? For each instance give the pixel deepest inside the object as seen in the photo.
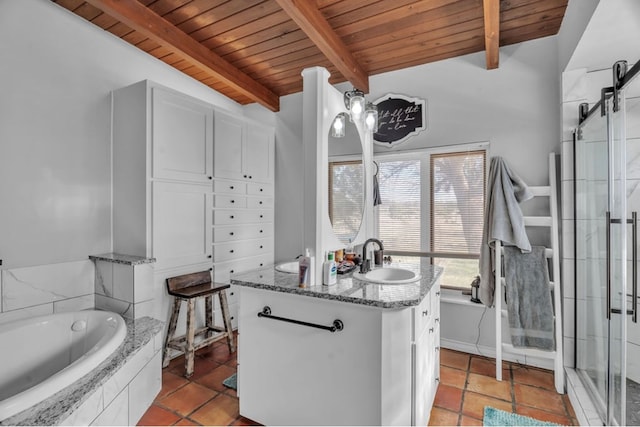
(380, 366)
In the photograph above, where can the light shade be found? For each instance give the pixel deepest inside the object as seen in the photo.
(371, 117)
(354, 101)
(338, 125)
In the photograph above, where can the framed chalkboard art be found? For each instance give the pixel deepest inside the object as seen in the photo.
(399, 118)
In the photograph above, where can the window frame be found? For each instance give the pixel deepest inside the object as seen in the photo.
(424, 155)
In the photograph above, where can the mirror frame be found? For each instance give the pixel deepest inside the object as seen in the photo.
(321, 103)
(335, 105)
(347, 157)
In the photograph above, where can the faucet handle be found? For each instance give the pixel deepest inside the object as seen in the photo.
(365, 266)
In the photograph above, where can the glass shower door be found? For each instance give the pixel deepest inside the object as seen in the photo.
(619, 228)
(601, 262)
(592, 207)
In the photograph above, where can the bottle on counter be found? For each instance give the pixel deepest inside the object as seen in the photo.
(306, 270)
(329, 270)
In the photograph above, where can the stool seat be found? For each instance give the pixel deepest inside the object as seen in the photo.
(187, 288)
(199, 290)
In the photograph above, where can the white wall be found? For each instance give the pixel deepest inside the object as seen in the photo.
(516, 107)
(56, 74)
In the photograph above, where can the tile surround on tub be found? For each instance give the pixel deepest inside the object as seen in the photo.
(89, 400)
(124, 284)
(31, 286)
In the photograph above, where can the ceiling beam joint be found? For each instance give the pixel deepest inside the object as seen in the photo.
(311, 21)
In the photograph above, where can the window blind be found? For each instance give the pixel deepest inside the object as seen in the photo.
(457, 211)
(399, 214)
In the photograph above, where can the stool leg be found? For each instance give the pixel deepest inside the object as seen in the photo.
(171, 330)
(188, 347)
(208, 302)
(222, 295)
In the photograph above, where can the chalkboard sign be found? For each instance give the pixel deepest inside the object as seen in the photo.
(399, 118)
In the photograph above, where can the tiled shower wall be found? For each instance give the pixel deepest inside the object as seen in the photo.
(46, 289)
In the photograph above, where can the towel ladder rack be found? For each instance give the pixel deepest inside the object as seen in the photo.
(550, 222)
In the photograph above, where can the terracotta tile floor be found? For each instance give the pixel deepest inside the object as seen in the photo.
(467, 385)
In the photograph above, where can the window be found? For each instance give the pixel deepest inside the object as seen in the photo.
(399, 215)
(457, 211)
(433, 203)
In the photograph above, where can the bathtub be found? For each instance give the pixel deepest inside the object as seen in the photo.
(43, 355)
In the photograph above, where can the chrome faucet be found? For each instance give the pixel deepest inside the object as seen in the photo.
(366, 263)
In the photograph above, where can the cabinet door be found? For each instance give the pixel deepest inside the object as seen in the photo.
(227, 156)
(258, 153)
(424, 355)
(181, 224)
(182, 137)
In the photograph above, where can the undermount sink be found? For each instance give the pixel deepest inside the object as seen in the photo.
(288, 267)
(388, 276)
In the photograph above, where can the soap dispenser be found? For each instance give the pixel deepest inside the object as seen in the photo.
(306, 270)
(329, 271)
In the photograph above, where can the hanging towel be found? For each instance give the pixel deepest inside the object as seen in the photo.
(377, 200)
(502, 221)
(529, 305)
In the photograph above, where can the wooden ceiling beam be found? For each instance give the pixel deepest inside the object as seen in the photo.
(491, 10)
(315, 26)
(145, 21)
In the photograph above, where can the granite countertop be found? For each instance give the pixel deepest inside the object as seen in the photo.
(122, 259)
(56, 408)
(348, 289)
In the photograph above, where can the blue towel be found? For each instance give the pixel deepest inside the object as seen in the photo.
(529, 305)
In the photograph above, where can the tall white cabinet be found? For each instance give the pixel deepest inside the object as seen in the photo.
(171, 194)
(242, 199)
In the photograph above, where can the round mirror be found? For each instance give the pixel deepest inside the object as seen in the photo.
(346, 181)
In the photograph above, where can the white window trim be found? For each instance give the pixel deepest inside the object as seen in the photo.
(425, 174)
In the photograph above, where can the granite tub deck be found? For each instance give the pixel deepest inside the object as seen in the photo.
(115, 392)
(348, 289)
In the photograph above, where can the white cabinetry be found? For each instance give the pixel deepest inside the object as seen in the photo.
(182, 137)
(162, 163)
(244, 150)
(162, 174)
(242, 199)
(426, 355)
(381, 369)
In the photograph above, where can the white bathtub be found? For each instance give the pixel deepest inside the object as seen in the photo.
(43, 355)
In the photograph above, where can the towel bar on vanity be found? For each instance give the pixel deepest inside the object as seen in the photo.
(337, 324)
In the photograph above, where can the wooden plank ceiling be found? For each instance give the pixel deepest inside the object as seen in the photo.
(255, 50)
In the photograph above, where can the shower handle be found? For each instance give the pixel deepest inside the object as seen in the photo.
(634, 267)
(608, 253)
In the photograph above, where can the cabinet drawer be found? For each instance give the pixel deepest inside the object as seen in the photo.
(222, 271)
(260, 189)
(259, 202)
(247, 248)
(239, 216)
(222, 186)
(422, 315)
(233, 233)
(229, 201)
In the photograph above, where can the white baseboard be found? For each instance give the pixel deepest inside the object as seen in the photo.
(491, 352)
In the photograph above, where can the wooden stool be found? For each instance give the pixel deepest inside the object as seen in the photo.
(187, 288)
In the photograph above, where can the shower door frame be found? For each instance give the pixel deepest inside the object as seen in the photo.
(613, 408)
